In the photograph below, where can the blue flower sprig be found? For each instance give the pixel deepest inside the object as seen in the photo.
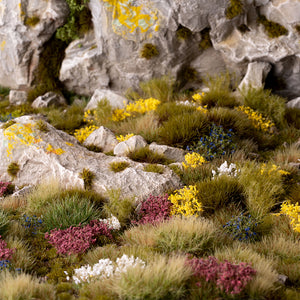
(32, 223)
(217, 143)
(242, 227)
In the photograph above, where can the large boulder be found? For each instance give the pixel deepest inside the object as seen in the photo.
(24, 28)
(54, 153)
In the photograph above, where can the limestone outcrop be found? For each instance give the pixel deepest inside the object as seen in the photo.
(53, 153)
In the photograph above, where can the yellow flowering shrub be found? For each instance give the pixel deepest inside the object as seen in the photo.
(185, 202)
(140, 106)
(82, 133)
(270, 169)
(193, 160)
(198, 97)
(293, 212)
(203, 109)
(259, 121)
(57, 151)
(122, 138)
(89, 117)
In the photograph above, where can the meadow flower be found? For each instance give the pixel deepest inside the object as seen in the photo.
(224, 169)
(122, 138)
(193, 160)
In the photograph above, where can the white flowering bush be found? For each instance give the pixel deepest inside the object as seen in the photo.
(224, 169)
(105, 268)
(112, 222)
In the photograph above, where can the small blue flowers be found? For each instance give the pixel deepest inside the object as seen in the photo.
(4, 264)
(242, 228)
(217, 143)
(32, 223)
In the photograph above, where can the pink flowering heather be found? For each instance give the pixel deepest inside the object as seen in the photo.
(77, 239)
(5, 253)
(6, 188)
(228, 277)
(153, 210)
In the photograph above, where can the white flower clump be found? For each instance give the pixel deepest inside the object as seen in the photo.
(112, 222)
(105, 269)
(225, 170)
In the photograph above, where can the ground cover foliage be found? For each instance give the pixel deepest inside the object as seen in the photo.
(228, 233)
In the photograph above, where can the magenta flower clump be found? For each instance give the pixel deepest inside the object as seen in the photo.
(74, 240)
(153, 210)
(228, 277)
(5, 253)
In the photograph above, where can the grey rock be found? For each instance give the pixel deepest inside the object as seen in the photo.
(17, 97)
(21, 44)
(49, 99)
(56, 154)
(282, 279)
(295, 103)
(115, 99)
(103, 138)
(23, 191)
(171, 153)
(255, 76)
(83, 70)
(134, 143)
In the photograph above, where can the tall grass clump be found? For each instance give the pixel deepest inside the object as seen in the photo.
(24, 286)
(182, 130)
(4, 222)
(219, 192)
(121, 207)
(262, 185)
(219, 93)
(148, 156)
(184, 235)
(69, 211)
(163, 278)
(265, 281)
(266, 103)
(158, 88)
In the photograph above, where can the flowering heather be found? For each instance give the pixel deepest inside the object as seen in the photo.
(5, 253)
(6, 188)
(77, 239)
(153, 210)
(228, 277)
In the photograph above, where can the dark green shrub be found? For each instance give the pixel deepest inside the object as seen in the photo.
(183, 33)
(217, 193)
(13, 169)
(149, 51)
(182, 130)
(148, 156)
(32, 21)
(69, 211)
(273, 29)
(205, 39)
(235, 9)
(118, 166)
(79, 21)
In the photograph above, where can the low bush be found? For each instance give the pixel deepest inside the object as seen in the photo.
(148, 156)
(118, 166)
(149, 51)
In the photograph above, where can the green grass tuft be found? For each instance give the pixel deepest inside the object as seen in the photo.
(235, 9)
(118, 166)
(13, 169)
(273, 29)
(32, 21)
(149, 51)
(154, 168)
(88, 176)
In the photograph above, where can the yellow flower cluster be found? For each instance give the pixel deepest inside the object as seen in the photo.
(198, 97)
(57, 151)
(258, 120)
(20, 134)
(185, 202)
(264, 169)
(122, 138)
(203, 109)
(193, 160)
(293, 212)
(89, 116)
(140, 106)
(82, 133)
